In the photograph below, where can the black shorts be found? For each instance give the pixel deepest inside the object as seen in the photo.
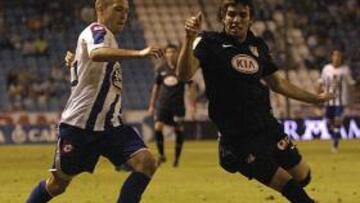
(260, 155)
(78, 150)
(170, 116)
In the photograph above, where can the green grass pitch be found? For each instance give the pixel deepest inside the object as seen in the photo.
(336, 176)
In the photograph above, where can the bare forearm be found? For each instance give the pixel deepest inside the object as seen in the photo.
(187, 63)
(154, 95)
(286, 88)
(111, 54)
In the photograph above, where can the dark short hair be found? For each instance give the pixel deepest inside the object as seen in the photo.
(226, 3)
(336, 49)
(171, 46)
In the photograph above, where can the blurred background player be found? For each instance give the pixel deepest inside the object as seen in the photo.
(167, 103)
(91, 124)
(233, 63)
(336, 78)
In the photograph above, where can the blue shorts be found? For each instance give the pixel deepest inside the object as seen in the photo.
(334, 111)
(78, 150)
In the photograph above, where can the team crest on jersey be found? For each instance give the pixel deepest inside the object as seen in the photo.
(171, 80)
(117, 76)
(98, 33)
(254, 50)
(245, 64)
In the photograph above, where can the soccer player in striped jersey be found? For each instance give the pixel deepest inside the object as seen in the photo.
(91, 124)
(335, 78)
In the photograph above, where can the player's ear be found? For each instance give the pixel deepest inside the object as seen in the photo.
(251, 21)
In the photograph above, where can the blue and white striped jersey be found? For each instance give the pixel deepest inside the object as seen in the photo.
(95, 101)
(336, 81)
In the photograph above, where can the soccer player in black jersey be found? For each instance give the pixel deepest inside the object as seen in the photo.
(233, 63)
(168, 92)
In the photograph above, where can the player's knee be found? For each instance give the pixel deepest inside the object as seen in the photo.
(304, 182)
(149, 166)
(57, 187)
(159, 126)
(146, 164)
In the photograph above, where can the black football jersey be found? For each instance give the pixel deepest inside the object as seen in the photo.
(171, 95)
(232, 73)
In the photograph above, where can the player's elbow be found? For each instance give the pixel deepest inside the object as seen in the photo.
(185, 77)
(96, 56)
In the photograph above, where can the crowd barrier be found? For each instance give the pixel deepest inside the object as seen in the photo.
(38, 129)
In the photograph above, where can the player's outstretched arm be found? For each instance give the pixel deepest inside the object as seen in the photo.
(154, 95)
(111, 54)
(187, 63)
(284, 87)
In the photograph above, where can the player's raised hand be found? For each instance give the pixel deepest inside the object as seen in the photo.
(193, 25)
(152, 51)
(69, 58)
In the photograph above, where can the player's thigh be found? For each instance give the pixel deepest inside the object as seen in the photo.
(288, 157)
(159, 125)
(338, 120)
(179, 117)
(77, 151)
(165, 116)
(56, 184)
(300, 172)
(254, 162)
(122, 144)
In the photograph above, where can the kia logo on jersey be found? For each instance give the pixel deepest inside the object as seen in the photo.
(171, 81)
(245, 64)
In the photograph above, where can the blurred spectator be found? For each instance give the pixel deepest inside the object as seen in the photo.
(87, 14)
(41, 46)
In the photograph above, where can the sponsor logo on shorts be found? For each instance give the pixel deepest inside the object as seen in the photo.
(245, 64)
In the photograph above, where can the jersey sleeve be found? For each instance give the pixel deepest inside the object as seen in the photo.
(158, 78)
(322, 78)
(201, 47)
(98, 37)
(349, 79)
(270, 66)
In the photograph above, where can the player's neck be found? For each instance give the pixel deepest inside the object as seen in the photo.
(170, 64)
(242, 38)
(102, 22)
(238, 38)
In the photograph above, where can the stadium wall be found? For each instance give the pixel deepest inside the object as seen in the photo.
(41, 128)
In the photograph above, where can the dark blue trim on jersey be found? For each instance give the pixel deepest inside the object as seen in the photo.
(340, 90)
(100, 99)
(74, 81)
(110, 113)
(98, 33)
